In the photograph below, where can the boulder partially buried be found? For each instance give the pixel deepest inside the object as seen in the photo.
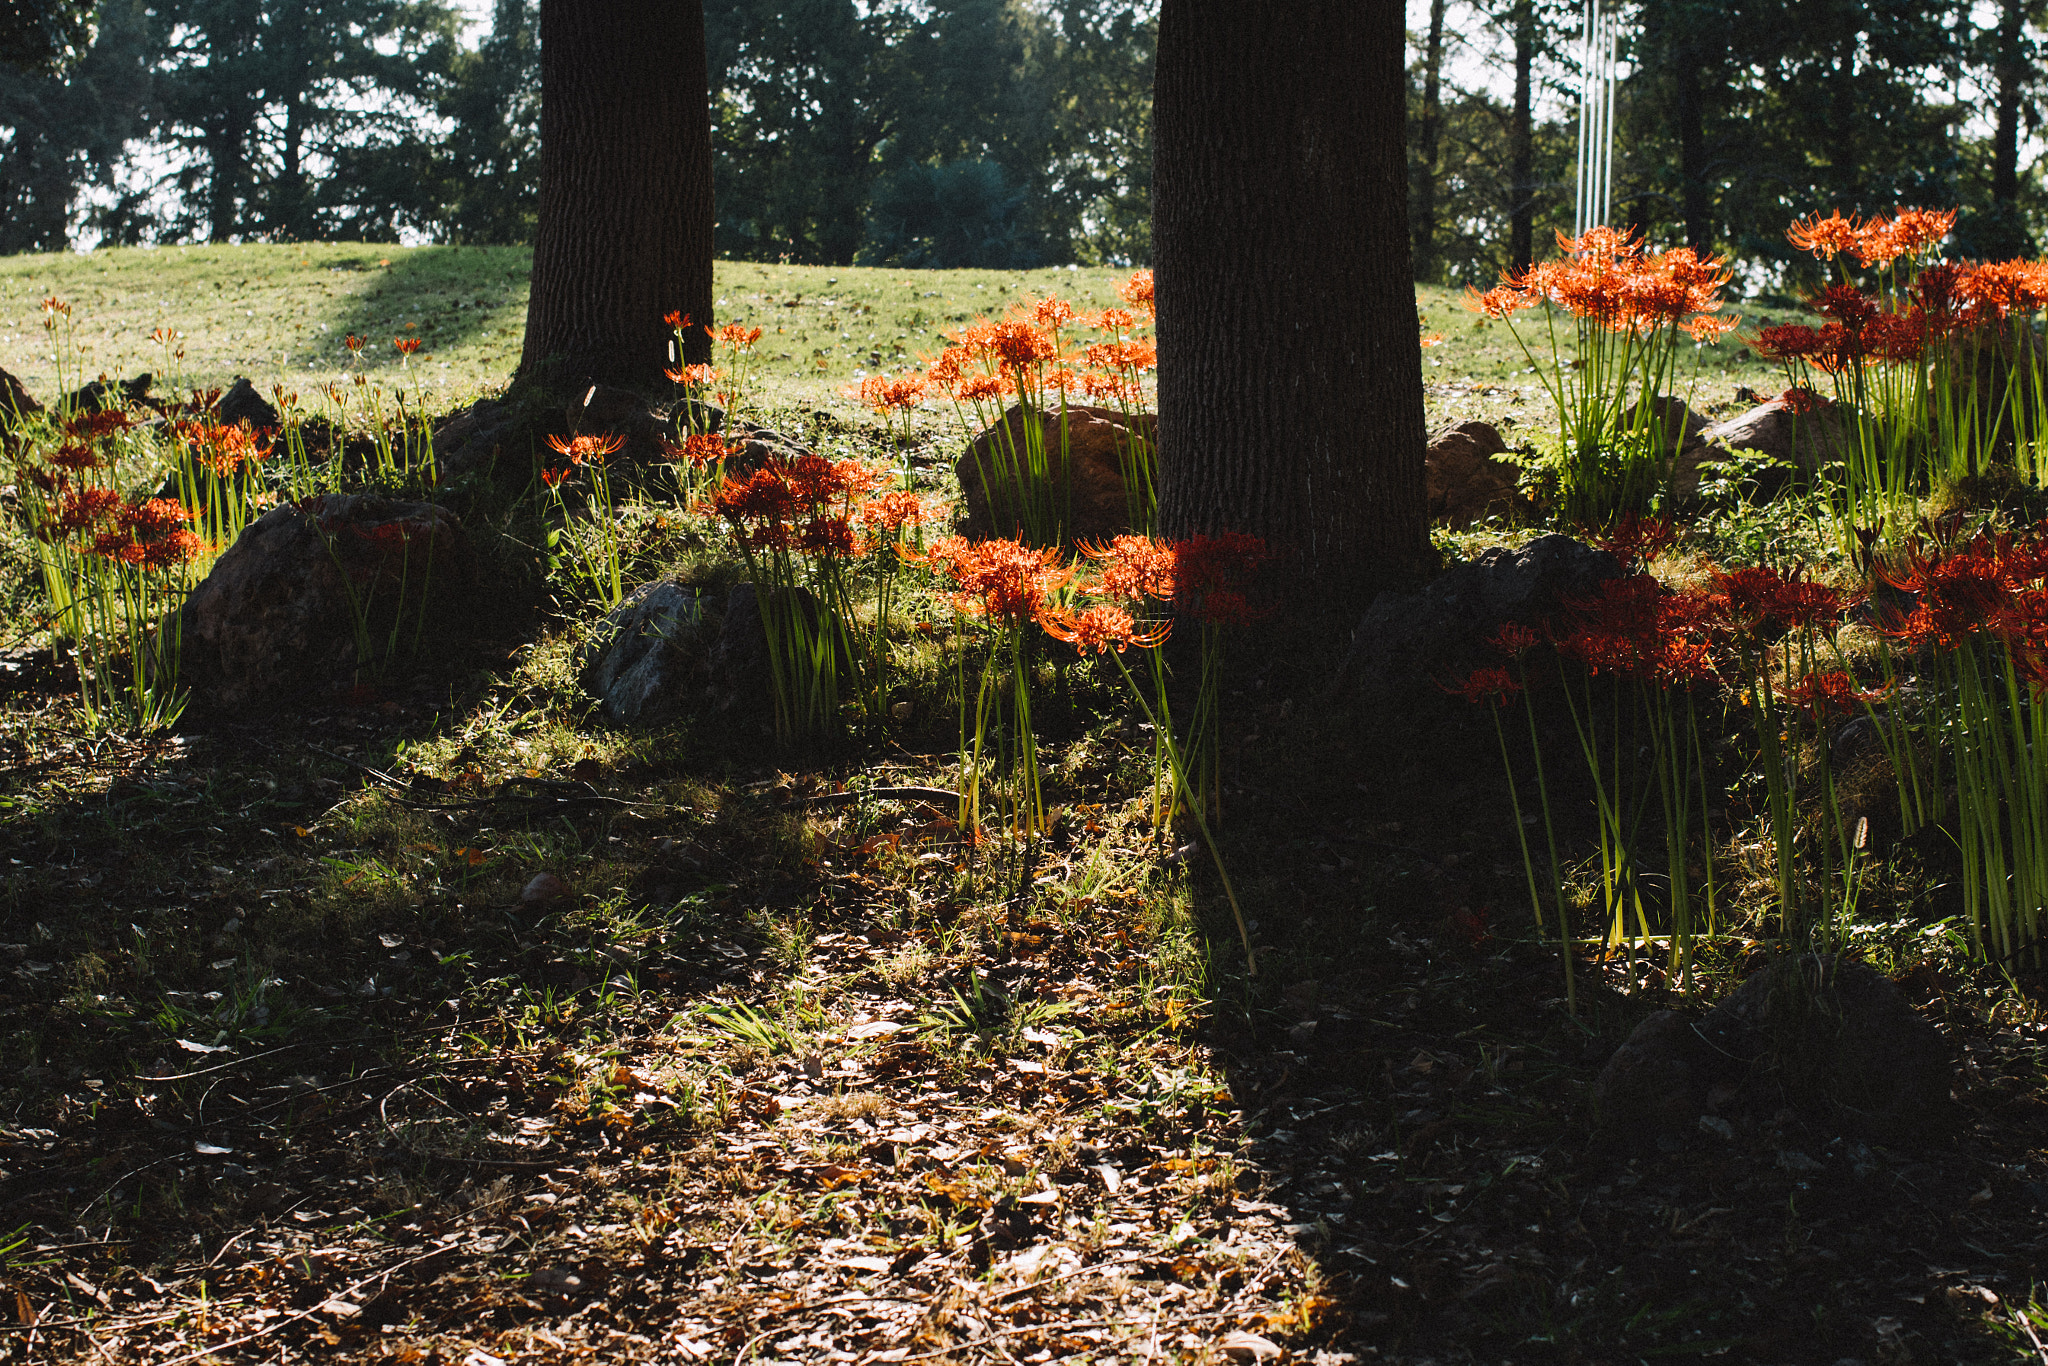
(319, 596)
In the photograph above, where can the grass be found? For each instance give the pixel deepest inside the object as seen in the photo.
(280, 313)
(290, 1065)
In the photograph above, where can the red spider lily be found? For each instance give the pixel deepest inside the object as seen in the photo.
(1113, 320)
(1491, 684)
(1133, 569)
(801, 505)
(1825, 695)
(1847, 305)
(888, 513)
(1637, 541)
(1211, 575)
(83, 511)
(1137, 291)
(54, 305)
(1635, 629)
(553, 475)
(354, 343)
(406, 345)
(1959, 592)
(92, 426)
(1005, 581)
(75, 456)
(732, 334)
(696, 376)
(1122, 355)
(164, 336)
(1019, 345)
(1125, 391)
(676, 319)
(1801, 401)
(1052, 311)
(2002, 288)
(891, 393)
(1826, 237)
(979, 389)
(1100, 628)
(587, 449)
(1607, 278)
(701, 449)
(1514, 640)
(1756, 601)
(1708, 329)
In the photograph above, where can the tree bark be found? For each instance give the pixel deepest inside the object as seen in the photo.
(2005, 136)
(1521, 142)
(1290, 378)
(1692, 150)
(624, 233)
(1431, 140)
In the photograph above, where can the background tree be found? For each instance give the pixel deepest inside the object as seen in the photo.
(45, 35)
(270, 102)
(625, 218)
(68, 130)
(490, 163)
(1290, 384)
(1428, 123)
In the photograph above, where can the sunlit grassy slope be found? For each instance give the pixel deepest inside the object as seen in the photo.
(280, 314)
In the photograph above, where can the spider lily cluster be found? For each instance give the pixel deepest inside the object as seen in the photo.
(1955, 694)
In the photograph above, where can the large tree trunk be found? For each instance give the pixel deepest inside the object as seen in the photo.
(625, 190)
(1430, 141)
(2005, 136)
(1692, 150)
(1522, 141)
(1290, 379)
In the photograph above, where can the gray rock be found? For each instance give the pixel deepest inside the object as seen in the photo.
(1097, 507)
(243, 404)
(1462, 480)
(15, 399)
(1807, 441)
(650, 667)
(1830, 1037)
(275, 620)
(1412, 639)
(739, 679)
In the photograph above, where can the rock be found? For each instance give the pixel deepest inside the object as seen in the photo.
(1439, 634)
(757, 445)
(1843, 1044)
(103, 393)
(1681, 425)
(475, 436)
(739, 680)
(543, 889)
(15, 398)
(1095, 440)
(1465, 484)
(275, 620)
(241, 403)
(650, 667)
(1830, 1037)
(1771, 428)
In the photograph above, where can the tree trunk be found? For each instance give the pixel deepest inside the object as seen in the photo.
(1692, 151)
(1431, 138)
(1290, 379)
(1521, 142)
(625, 191)
(2005, 136)
(227, 150)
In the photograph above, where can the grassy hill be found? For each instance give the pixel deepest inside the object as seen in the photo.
(280, 313)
